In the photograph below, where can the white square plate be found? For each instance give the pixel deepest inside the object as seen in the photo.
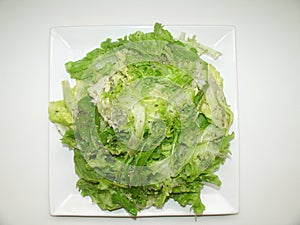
(72, 43)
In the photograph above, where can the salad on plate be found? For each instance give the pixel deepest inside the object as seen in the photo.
(147, 120)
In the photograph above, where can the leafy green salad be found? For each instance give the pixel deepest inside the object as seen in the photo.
(147, 120)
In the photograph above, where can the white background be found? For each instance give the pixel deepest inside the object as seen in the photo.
(268, 63)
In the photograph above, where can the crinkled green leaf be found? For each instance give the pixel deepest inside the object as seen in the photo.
(58, 113)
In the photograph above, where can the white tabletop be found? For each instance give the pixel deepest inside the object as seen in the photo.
(268, 47)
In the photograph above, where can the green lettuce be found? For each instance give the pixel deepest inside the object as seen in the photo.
(147, 120)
